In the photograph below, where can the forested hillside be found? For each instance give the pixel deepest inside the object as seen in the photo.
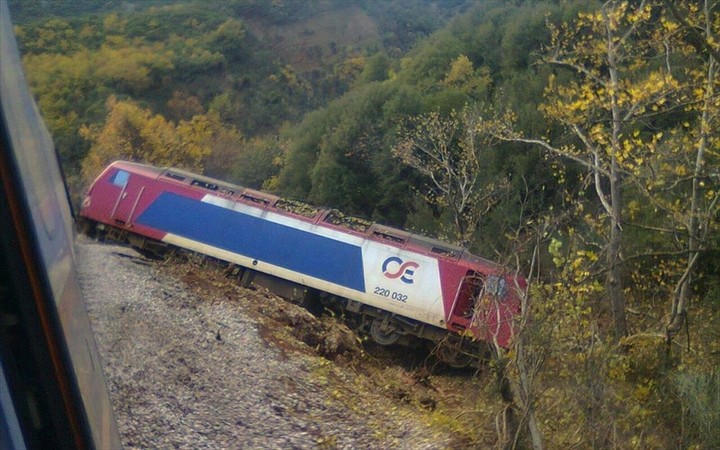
(228, 76)
(576, 142)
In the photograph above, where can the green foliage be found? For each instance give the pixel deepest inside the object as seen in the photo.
(278, 12)
(450, 153)
(26, 11)
(427, 65)
(263, 92)
(326, 139)
(404, 22)
(443, 73)
(377, 68)
(135, 134)
(68, 95)
(177, 58)
(228, 38)
(256, 162)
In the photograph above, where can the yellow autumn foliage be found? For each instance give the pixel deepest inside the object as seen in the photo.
(133, 133)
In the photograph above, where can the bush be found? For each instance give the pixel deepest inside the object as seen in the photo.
(700, 396)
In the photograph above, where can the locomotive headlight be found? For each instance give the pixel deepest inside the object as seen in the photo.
(495, 286)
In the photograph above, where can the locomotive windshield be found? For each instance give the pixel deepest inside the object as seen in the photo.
(120, 178)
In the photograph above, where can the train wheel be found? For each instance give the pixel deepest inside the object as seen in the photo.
(384, 331)
(453, 356)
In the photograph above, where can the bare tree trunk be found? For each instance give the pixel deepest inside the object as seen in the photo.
(460, 229)
(614, 283)
(526, 396)
(521, 393)
(518, 408)
(682, 291)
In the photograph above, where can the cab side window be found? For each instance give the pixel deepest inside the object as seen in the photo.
(120, 178)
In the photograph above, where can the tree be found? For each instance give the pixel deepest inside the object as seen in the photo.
(229, 39)
(692, 202)
(131, 68)
(184, 106)
(257, 162)
(463, 76)
(135, 134)
(613, 91)
(376, 68)
(448, 151)
(706, 137)
(227, 144)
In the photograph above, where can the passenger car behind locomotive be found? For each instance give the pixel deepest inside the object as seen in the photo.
(401, 283)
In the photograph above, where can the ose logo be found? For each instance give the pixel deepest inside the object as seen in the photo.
(403, 270)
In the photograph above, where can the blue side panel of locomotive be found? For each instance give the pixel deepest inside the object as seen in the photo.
(253, 237)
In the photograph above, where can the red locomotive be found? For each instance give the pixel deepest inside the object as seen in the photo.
(401, 284)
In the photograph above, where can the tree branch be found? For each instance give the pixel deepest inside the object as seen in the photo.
(699, 41)
(555, 150)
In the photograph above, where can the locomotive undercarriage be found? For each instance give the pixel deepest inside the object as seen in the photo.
(389, 329)
(383, 327)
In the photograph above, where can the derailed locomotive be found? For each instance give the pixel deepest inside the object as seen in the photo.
(399, 284)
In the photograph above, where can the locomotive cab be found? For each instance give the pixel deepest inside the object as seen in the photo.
(484, 306)
(117, 192)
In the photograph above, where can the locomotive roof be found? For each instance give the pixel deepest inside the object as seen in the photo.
(143, 169)
(195, 176)
(431, 245)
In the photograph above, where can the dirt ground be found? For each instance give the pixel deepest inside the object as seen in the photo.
(193, 360)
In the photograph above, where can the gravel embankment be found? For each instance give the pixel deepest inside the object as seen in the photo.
(198, 373)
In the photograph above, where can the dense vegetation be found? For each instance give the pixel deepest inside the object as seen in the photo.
(575, 141)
